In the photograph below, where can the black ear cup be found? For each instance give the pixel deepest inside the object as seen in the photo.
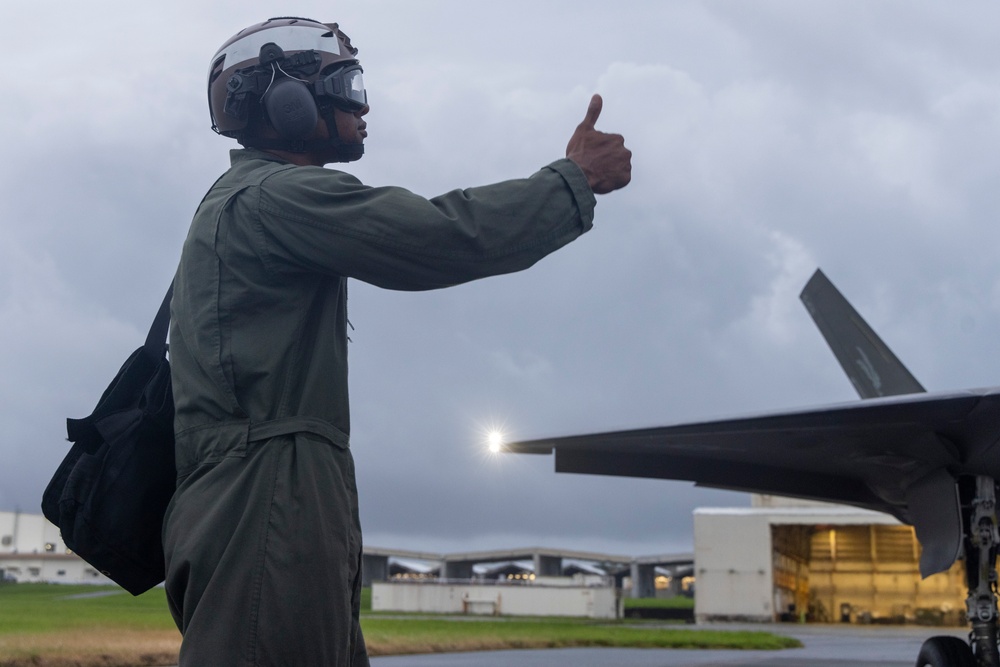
(291, 109)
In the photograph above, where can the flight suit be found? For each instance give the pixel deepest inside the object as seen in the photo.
(262, 538)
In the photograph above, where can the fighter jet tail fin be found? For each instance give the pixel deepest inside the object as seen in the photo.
(869, 363)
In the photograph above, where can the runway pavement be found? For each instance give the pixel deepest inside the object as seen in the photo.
(824, 646)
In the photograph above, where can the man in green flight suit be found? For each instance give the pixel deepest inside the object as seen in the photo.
(262, 538)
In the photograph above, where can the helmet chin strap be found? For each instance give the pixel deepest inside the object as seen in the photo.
(350, 152)
(343, 152)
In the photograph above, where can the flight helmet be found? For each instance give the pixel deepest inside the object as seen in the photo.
(286, 73)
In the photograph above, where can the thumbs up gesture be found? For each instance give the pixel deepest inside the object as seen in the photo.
(605, 161)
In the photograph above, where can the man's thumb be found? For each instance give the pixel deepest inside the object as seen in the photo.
(593, 112)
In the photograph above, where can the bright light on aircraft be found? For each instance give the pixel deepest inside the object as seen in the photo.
(492, 438)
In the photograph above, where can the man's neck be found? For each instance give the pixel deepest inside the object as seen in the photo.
(299, 159)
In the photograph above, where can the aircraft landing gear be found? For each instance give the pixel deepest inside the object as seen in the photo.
(945, 652)
(981, 542)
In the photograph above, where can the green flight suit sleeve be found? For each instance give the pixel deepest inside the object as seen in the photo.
(326, 221)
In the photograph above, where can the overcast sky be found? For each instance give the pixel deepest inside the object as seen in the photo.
(769, 139)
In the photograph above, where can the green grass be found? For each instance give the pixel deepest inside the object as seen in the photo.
(42, 624)
(430, 635)
(51, 608)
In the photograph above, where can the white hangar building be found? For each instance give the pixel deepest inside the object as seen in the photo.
(793, 560)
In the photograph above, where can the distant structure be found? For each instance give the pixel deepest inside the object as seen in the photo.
(31, 550)
(663, 575)
(778, 560)
(791, 560)
(579, 596)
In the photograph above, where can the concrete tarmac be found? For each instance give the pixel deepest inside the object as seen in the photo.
(823, 646)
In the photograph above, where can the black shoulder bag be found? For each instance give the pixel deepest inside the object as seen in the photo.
(109, 495)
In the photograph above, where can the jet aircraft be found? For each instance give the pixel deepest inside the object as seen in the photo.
(929, 459)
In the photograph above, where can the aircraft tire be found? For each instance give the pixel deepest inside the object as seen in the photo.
(945, 652)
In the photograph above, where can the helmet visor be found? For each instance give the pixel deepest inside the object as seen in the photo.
(344, 88)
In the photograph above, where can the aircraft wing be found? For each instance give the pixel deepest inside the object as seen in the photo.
(899, 451)
(898, 455)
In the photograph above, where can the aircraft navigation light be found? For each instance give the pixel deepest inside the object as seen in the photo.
(495, 441)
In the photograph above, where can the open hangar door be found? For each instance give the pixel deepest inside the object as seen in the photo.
(860, 574)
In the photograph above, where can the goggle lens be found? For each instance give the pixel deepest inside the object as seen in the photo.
(345, 88)
(355, 86)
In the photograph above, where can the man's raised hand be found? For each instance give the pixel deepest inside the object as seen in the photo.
(605, 161)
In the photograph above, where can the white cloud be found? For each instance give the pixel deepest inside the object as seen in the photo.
(902, 157)
(776, 315)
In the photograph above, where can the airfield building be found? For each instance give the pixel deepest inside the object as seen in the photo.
(778, 560)
(791, 560)
(31, 550)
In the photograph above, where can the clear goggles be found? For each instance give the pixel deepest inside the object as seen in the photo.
(345, 88)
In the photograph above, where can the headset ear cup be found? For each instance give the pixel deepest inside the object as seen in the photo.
(291, 109)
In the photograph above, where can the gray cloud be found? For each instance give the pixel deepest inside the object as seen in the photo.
(769, 138)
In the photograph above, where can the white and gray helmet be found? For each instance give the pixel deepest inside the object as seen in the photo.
(286, 70)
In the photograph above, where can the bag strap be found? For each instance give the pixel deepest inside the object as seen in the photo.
(156, 340)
